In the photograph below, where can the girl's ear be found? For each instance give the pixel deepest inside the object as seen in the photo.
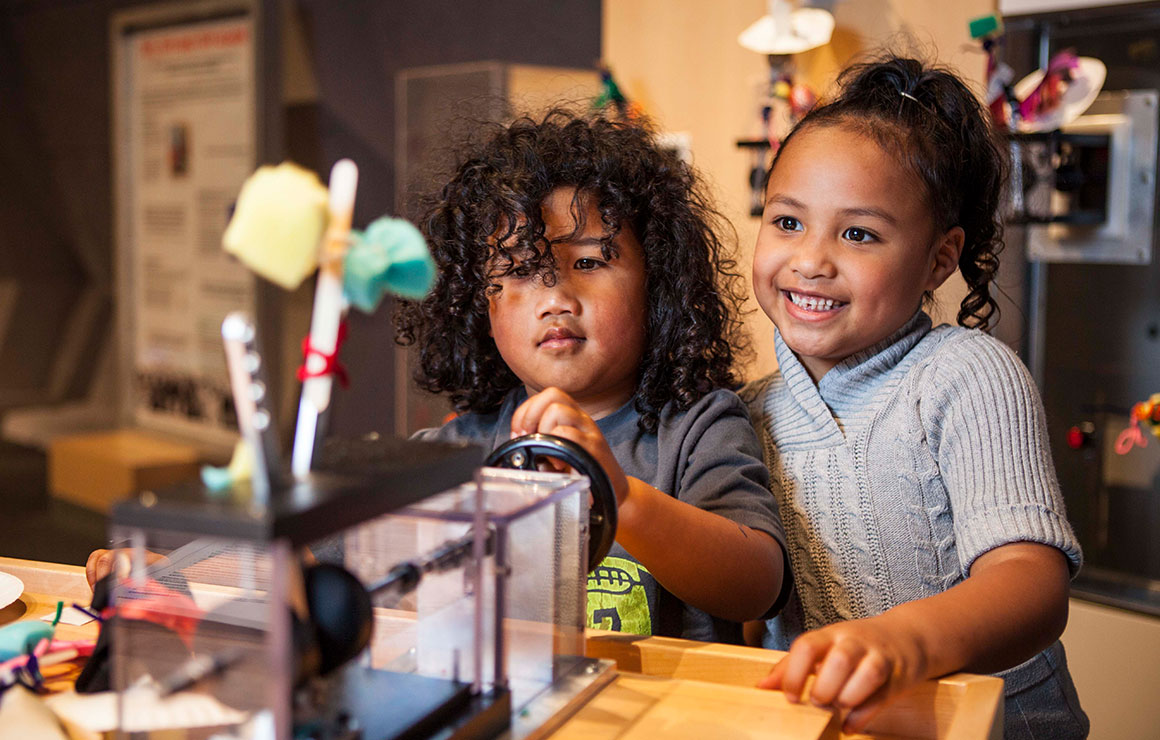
(946, 257)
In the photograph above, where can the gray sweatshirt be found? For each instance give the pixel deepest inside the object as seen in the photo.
(706, 456)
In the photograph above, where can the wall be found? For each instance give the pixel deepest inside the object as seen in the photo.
(1114, 657)
(56, 267)
(57, 230)
(681, 60)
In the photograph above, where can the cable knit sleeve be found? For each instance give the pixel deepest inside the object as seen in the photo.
(987, 431)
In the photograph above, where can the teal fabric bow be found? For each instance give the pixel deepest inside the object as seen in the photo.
(389, 257)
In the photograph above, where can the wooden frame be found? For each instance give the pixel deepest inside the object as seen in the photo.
(956, 707)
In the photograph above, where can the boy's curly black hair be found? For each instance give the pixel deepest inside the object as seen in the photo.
(937, 128)
(494, 198)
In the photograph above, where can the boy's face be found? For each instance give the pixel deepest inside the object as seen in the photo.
(584, 334)
(846, 248)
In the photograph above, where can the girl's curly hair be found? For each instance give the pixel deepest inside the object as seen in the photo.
(936, 126)
(491, 209)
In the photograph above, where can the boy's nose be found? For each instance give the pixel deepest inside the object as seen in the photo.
(557, 298)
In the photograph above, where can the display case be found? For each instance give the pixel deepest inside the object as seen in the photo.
(400, 591)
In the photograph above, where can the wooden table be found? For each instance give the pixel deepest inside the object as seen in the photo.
(664, 687)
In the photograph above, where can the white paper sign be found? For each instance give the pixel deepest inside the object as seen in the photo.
(188, 97)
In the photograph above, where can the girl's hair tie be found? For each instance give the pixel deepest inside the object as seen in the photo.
(918, 102)
(928, 108)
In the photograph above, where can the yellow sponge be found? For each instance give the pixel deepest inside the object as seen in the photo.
(278, 222)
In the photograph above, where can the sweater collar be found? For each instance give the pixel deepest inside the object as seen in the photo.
(851, 384)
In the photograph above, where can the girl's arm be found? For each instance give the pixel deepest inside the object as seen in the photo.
(726, 569)
(1011, 606)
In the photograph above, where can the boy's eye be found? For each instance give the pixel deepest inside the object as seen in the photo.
(589, 263)
(787, 223)
(519, 269)
(857, 235)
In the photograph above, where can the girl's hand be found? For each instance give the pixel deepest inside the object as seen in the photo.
(552, 411)
(858, 666)
(1012, 605)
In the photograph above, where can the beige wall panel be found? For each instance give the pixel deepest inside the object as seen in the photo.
(1114, 657)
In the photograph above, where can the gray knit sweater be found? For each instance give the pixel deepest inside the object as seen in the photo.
(906, 462)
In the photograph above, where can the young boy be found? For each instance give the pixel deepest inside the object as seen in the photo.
(583, 293)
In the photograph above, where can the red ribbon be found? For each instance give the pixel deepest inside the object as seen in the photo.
(330, 363)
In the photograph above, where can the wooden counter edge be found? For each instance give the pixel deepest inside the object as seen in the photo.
(62, 581)
(960, 706)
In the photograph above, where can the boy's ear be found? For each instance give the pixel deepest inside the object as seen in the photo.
(946, 256)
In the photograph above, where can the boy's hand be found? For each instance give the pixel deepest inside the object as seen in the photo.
(858, 665)
(101, 562)
(99, 565)
(552, 411)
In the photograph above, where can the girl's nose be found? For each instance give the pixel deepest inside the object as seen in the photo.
(556, 297)
(813, 259)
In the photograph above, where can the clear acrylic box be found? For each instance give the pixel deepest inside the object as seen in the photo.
(219, 603)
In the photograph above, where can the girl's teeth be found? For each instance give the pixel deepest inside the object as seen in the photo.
(813, 304)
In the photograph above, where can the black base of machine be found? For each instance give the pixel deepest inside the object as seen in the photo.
(405, 706)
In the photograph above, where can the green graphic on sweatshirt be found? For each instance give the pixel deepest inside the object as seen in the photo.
(617, 599)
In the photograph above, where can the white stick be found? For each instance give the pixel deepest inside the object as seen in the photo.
(329, 306)
(247, 381)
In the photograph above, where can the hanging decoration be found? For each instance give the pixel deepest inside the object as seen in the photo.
(1145, 413)
(779, 34)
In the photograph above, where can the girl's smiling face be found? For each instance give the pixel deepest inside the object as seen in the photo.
(584, 332)
(847, 247)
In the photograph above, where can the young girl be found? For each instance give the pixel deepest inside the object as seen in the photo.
(582, 293)
(926, 528)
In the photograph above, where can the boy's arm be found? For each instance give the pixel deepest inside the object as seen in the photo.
(1013, 605)
(727, 569)
(719, 566)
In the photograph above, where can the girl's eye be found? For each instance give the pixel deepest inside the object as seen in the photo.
(858, 236)
(588, 263)
(787, 223)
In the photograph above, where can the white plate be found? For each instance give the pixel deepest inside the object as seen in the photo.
(10, 589)
(1076, 98)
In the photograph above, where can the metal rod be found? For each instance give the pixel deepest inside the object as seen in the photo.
(251, 402)
(405, 576)
(502, 571)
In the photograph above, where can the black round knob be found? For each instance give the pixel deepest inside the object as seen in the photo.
(522, 453)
